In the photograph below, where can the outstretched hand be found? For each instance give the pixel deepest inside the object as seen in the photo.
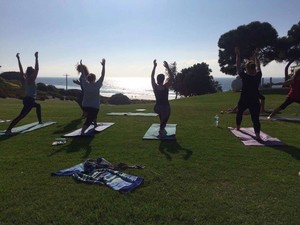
(154, 63)
(103, 62)
(166, 65)
(18, 55)
(36, 54)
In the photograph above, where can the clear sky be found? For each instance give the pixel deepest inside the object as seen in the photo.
(129, 33)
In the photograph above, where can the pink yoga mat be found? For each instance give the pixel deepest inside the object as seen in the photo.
(247, 136)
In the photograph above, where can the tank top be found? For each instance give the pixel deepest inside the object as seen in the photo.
(162, 96)
(294, 92)
(30, 90)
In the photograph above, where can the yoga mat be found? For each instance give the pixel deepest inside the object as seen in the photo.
(282, 118)
(152, 132)
(130, 114)
(247, 136)
(28, 127)
(90, 131)
(4, 121)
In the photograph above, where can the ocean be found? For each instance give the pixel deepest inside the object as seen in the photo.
(132, 87)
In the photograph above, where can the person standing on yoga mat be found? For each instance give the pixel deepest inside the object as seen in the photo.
(250, 95)
(28, 84)
(161, 92)
(293, 95)
(80, 97)
(91, 95)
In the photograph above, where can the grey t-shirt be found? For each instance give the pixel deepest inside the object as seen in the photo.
(91, 93)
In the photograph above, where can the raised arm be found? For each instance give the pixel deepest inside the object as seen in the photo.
(36, 67)
(152, 74)
(285, 83)
(103, 70)
(237, 59)
(20, 67)
(171, 75)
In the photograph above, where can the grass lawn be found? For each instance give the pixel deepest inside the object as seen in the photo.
(205, 177)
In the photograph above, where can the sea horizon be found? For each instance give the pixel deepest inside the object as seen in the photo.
(132, 87)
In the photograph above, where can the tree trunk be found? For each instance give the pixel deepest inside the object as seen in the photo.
(286, 70)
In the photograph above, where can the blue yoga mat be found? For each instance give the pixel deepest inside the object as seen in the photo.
(152, 132)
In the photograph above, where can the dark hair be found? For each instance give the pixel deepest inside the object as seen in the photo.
(160, 78)
(29, 71)
(91, 77)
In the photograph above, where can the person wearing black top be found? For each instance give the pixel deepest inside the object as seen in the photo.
(249, 98)
(161, 92)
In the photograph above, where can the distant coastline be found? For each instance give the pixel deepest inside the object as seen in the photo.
(132, 87)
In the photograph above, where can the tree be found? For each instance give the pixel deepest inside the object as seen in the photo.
(286, 49)
(196, 80)
(173, 68)
(247, 37)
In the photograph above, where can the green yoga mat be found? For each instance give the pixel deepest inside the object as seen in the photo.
(130, 114)
(152, 132)
(28, 127)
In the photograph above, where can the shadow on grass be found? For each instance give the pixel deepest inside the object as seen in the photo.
(69, 127)
(292, 150)
(172, 147)
(77, 144)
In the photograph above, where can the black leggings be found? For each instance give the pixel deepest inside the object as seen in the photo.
(254, 108)
(28, 104)
(287, 102)
(163, 112)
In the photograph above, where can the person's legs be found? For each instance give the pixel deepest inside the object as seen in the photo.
(285, 104)
(91, 116)
(38, 112)
(165, 114)
(254, 109)
(27, 106)
(242, 106)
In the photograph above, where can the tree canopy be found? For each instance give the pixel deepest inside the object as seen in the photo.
(196, 80)
(247, 37)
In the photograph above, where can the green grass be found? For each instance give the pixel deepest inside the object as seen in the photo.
(206, 177)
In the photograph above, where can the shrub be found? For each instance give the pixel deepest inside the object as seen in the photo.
(119, 99)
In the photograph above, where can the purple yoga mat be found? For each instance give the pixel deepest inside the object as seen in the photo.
(247, 136)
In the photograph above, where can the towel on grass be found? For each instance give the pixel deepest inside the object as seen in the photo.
(247, 136)
(100, 171)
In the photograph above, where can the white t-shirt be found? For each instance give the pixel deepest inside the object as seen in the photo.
(91, 94)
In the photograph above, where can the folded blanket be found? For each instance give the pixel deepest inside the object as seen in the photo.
(100, 171)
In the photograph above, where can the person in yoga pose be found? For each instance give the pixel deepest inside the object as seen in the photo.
(28, 84)
(293, 95)
(91, 95)
(250, 95)
(80, 97)
(161, 92)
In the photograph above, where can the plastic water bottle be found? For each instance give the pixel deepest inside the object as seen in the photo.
(216, 119)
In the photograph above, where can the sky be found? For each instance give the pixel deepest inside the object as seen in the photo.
(130, 34)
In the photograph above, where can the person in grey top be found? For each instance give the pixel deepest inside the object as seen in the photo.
(28, 83)
(91, 95)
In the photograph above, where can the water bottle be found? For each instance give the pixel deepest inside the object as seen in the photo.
(216, 120)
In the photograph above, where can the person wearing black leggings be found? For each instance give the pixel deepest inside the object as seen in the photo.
(249, 98)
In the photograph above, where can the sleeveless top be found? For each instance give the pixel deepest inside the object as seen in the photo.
(29, 89)
(250, 84)
(162, 96)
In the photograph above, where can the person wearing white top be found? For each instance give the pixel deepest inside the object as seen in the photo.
(91, 95)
